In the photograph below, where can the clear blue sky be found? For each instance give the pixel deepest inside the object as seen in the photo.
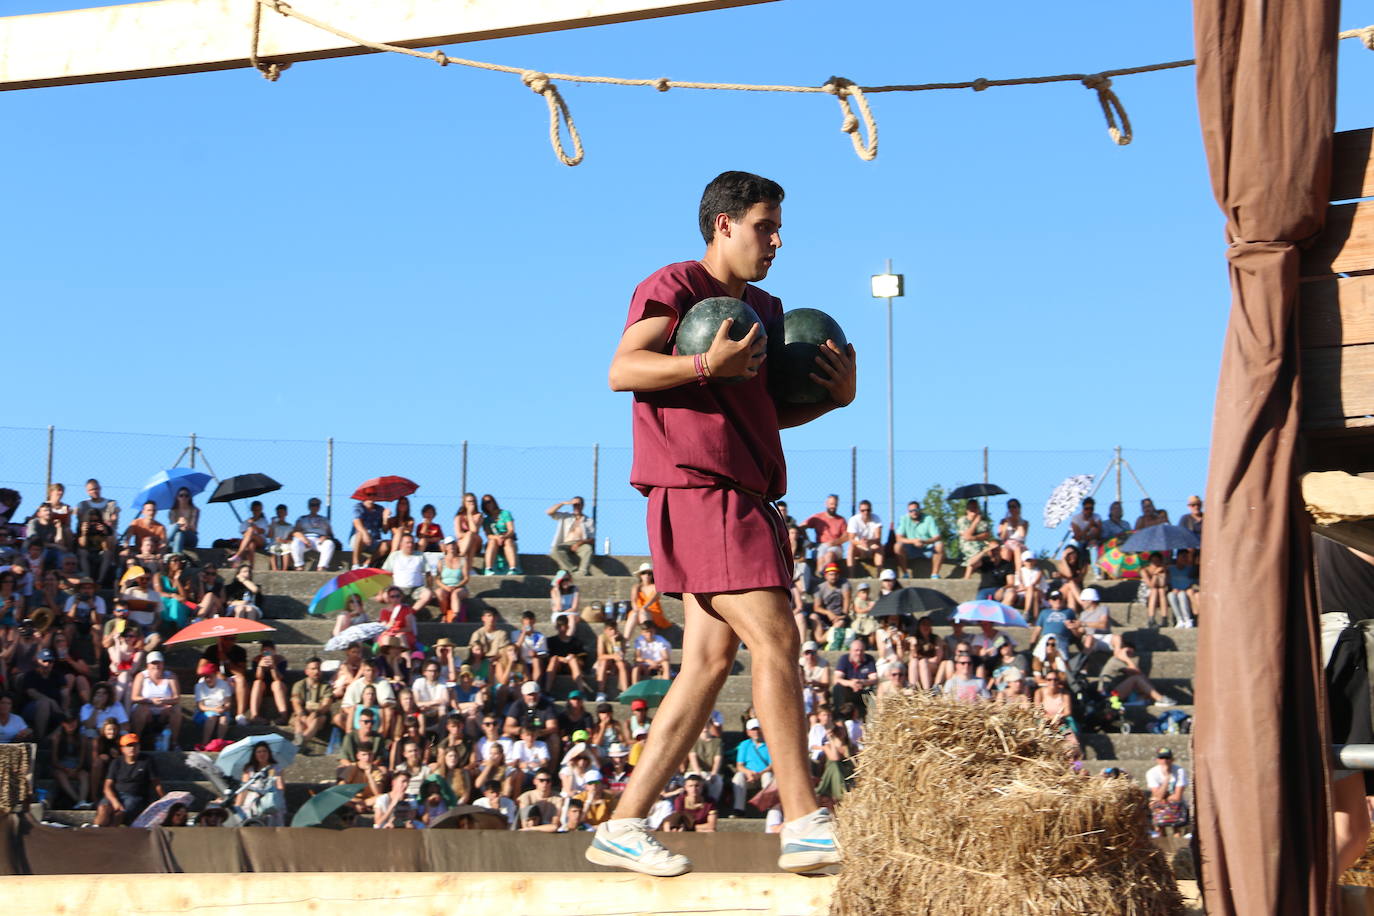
(381, 250)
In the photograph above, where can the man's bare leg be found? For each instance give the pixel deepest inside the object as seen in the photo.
(708, 653)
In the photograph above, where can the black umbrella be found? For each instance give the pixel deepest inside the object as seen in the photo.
(971, 490)
(242, 487)
(912, 602)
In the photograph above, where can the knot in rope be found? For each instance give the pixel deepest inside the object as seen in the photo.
(441, 58)
(1367, 36)
(270, 72)
(537, 81)
(558, 116)
(844, 90)
(1112, 109)
(662, 84)
(980, 84)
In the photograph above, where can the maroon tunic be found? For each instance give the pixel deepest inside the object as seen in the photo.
(709, 457)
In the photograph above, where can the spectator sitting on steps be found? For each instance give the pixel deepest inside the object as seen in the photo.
(1122, 676)
(574, 538)
(830, 531)
(865, 537)
(313, 532)
(918, 535)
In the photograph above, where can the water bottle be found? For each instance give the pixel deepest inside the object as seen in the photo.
(164, 739)
(606, 547)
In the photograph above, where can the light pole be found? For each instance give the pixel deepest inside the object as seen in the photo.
(889, 286)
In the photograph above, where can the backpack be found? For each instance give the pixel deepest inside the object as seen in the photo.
(1171, 722)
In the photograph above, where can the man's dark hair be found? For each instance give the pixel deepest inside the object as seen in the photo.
(733, 193)
(491, 786)
(314, 660)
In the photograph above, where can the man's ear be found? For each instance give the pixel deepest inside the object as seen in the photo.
(722, 224)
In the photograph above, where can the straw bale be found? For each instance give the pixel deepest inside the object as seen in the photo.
(1361, 874)
(975, 808)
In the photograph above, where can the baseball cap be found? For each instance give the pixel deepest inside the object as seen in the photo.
(592, 776)
(1027, 555)
(830, 566)
(45, 655)
(1056, 594)
(580, 735)
(638, 730)
(1090, 594)
(863, 586)
(560, 575)
(205, 668)
(887, 574)
(618, 750)
(128, 739)
(717, 718)
(449, 540)
(154, 657)
(752, 723)
(529, 687)
(811, 646)
(637, 703)
(443, 641)
(575, 693)
(1165, 752)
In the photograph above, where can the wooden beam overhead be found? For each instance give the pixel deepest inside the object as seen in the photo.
(168, 37)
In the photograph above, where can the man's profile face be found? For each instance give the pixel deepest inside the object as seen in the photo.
(753, 241)
(312, 670)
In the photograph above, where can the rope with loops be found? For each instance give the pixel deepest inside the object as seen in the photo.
(540, 84)
(843, 89)
(270, 72)
(1110, 103)
(543, 83)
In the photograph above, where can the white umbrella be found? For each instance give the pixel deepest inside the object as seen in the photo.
(359, 632)
(1066, 498)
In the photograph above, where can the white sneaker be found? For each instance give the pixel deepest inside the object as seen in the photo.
(627, 843)
(808, 843)
(1166, 701)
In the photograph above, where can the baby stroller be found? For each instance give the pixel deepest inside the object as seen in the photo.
(1100, 712)
(262, 808)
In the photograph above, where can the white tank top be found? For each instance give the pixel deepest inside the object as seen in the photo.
(157, 691)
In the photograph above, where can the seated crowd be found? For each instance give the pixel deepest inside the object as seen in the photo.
(426, 728)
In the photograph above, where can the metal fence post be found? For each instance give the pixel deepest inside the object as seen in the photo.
(47, 480)
(1118, 477)
(463, 485)
(193, 451)
(596, 483)
(329, 478)
(853, 479)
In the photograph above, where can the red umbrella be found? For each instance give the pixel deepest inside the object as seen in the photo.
(385, 489)
(204, 632)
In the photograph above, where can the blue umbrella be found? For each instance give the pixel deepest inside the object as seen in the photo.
(234, 758)
(1162, 539)
(162, 487)
(994, 612)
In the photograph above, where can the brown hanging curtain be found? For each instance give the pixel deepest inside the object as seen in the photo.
(1266, 83)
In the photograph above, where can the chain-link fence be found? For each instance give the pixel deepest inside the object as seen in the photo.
(527, 480)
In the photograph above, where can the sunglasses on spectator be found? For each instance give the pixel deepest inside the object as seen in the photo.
(489, 722)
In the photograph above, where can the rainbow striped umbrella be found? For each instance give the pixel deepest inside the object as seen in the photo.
(334, 594)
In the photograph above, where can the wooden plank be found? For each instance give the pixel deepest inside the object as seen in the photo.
(1337, 311)
(1352, 164)
(424, 894)
(1338, 386)
(167, 37)
(1346, 243)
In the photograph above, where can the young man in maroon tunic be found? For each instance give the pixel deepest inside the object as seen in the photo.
(709, 458)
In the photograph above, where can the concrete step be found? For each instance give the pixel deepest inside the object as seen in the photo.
(1135, 746)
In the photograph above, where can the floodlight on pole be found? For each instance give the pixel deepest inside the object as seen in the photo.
(889, 286)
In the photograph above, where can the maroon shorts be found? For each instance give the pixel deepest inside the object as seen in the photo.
(705, 541)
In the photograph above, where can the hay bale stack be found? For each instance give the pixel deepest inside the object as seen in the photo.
(974, 809)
